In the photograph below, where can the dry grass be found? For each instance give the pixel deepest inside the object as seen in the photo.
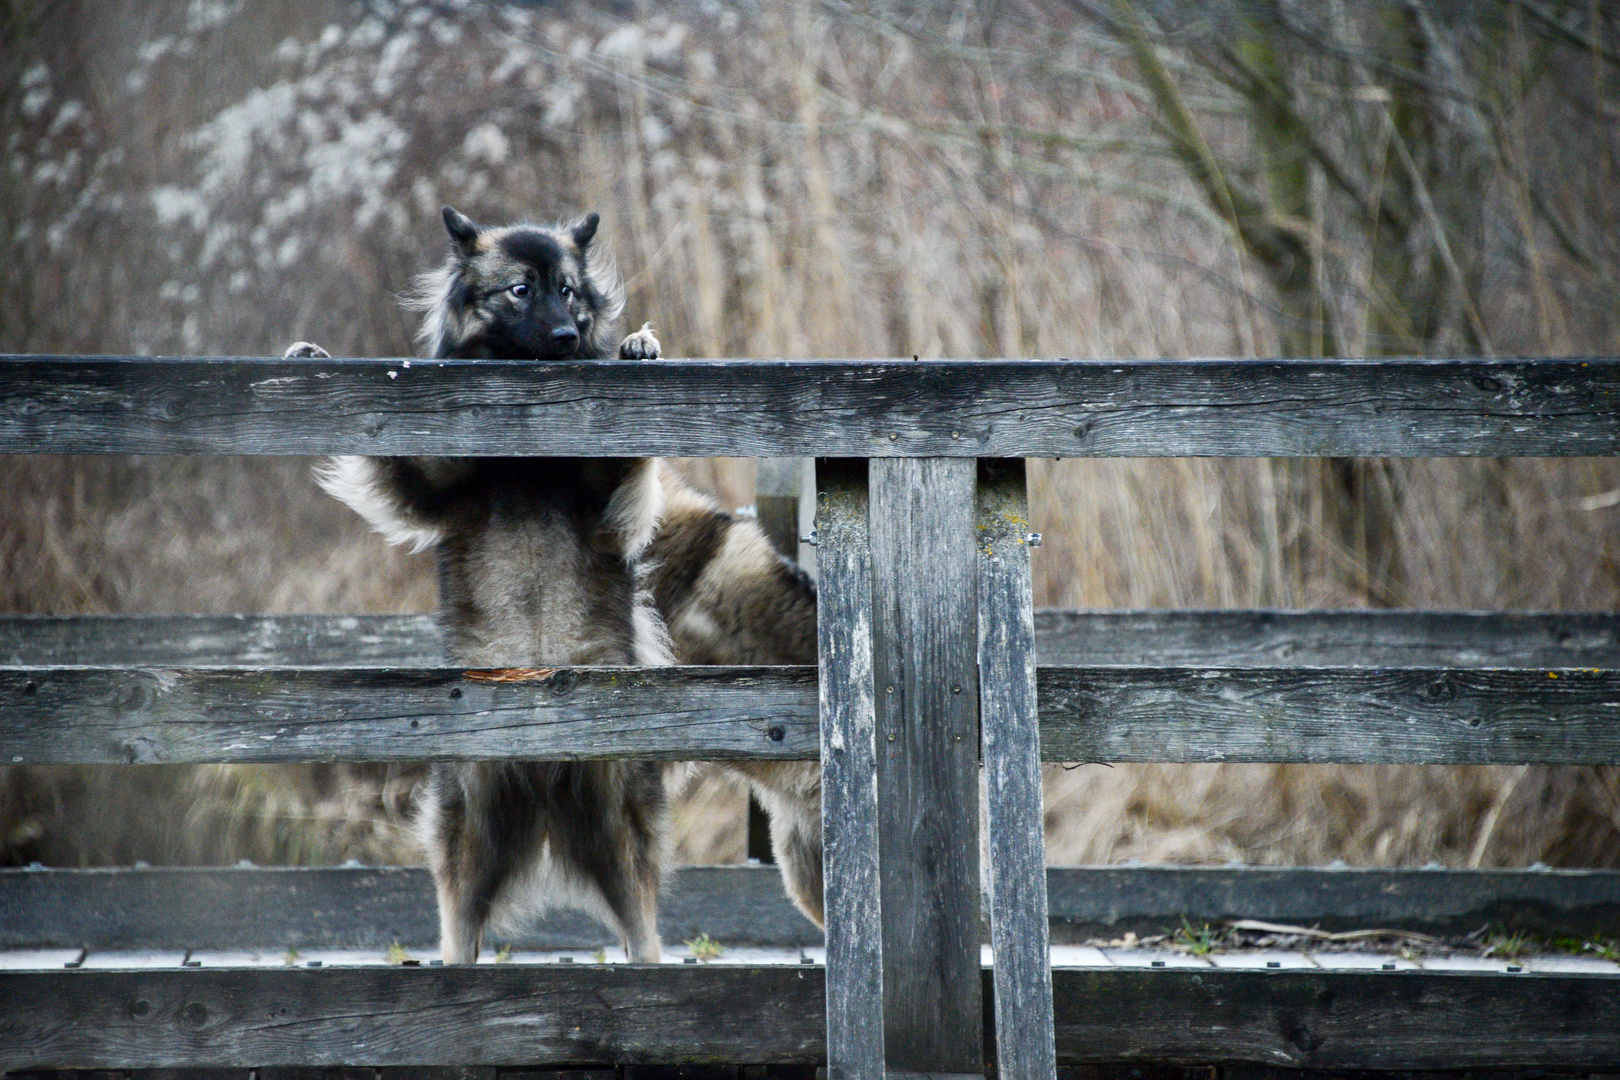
(224, 178)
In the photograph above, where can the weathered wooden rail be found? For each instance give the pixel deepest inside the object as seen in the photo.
(933, 665)
(179, 909)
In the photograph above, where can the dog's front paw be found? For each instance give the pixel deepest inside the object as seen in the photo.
(641, 345)
(304, 350)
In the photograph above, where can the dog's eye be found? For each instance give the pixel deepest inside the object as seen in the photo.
(520, 289)
(565, 290)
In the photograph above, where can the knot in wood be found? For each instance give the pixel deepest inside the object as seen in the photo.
(194, 1016)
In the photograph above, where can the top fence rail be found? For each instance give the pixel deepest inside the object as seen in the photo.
(831, 408)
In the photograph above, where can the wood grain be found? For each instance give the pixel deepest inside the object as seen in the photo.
(849, 792)
(791, 408)
(1343, 1020)
(590, 1014)
(1565, 716)
(176, 715)
(1375, 639)
(1380, 639)
(222, 641)
(465, 1015)
(925, 653)
(1011, 750)
(95, 715)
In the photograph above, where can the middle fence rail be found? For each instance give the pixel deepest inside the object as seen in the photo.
(931, 660)
(1319, 687)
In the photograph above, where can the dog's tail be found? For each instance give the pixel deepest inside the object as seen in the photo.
(405, 499)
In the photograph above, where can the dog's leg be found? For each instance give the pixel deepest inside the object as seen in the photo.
(640, 921)
(466, 873)
(796, 844)
(460, 930)
(615, 843)
(304, 350)
(630, 888)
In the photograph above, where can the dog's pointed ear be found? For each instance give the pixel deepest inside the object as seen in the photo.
(585, 229)
(463, 233)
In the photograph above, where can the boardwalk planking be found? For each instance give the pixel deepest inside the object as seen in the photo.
(371, 907)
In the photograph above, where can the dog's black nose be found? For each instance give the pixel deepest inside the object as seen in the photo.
(566, 337)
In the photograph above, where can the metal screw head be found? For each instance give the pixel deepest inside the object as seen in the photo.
(1033, 539)
(812, 538)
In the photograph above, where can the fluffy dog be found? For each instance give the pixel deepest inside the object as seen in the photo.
(560, 561)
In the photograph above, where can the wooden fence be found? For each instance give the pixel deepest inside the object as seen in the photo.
(934, 672)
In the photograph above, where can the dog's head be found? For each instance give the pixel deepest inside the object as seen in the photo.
(520, 292)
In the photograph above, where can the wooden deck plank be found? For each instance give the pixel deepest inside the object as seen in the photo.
(352, 907)
(1109, 901)
(849, 794)
(1010, 745)
(794, 408)
(925, 652)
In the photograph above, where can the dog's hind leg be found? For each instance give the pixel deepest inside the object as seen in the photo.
(638, 921)
(796, 845)
(630, 888)
(615, 842)
(461, 925)
(466, 872)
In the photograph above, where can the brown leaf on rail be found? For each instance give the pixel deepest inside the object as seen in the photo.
(511, 674)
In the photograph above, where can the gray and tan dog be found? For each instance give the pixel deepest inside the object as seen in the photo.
(560, 561)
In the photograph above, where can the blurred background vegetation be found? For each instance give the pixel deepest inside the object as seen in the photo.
(1081, 178)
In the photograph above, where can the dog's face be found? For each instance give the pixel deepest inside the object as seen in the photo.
(519, 293)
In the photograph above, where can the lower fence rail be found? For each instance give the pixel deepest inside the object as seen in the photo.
(518, 1014)
(175, 1005)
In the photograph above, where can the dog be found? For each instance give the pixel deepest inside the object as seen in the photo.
(563, 561)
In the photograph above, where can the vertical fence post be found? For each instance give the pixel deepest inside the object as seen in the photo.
(924, 646)
(1025, 1049)
(849, 809)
